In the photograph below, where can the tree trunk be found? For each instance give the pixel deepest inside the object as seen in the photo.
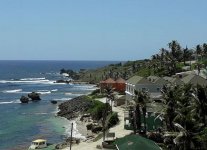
(144, 117)
(138, 117)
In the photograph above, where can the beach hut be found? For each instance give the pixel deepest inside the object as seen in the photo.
(109, 83)
(120, 85)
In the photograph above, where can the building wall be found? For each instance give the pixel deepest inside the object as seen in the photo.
(151, 88)
(120, 87)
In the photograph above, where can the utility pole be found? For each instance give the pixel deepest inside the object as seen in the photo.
(71, 136)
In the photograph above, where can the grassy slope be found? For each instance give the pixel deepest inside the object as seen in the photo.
(125, 71)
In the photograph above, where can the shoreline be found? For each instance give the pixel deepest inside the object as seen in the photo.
(92, 145)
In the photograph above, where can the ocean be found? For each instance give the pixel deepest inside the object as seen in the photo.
(22, 123)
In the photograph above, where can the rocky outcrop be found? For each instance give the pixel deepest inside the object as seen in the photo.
(67, 142)
(34, 96)
(71, 109)
(63, 81)
(24, 99)
(53, 101)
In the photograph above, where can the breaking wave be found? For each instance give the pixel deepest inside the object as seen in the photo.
(30, 81)
(13, 91)
(11, 102)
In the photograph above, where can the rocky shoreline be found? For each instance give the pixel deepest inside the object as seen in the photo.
(73, 108)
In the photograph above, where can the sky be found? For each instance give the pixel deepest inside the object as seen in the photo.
(98, 29)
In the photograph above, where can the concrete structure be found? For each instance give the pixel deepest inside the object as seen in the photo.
(140, 83)
(135, 83)
(120, 101)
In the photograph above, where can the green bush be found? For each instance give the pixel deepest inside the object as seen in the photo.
(98, 108)
(113, 120)
(95, 92)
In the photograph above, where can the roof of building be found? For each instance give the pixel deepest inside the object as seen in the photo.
(102, 81)
(194, 80)
(134, 142)
(120, 80)
(173, 80)
(138, 80)
(109, 81)
(39, 140)
(157, 80)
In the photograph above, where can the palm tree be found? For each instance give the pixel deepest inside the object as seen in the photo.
(199, 51)
(205, 49)
(170, 95)
(141, 99)
(186, 54)
(176, 51)
(201, 103)
(110, 96)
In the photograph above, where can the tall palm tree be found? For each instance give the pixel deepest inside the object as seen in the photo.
(199, 51)
(141, 99)
(176, 50)
(202, 103)
(187, 54)
(205, 49)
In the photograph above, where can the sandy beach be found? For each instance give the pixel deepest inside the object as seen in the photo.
(118, 129)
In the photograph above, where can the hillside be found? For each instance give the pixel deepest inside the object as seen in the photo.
(166, 63)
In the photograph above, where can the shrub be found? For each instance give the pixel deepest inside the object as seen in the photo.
(97, 91)
(96, 129)
(113, 120)
(98, 108)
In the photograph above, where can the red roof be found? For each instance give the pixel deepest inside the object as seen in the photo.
(102, 81)
(120, 80)
(109, 80)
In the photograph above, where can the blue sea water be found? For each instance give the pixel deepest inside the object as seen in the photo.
(22, 123)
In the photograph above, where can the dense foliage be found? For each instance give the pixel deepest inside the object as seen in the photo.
(97, 109)
(113, 119)
(185, 116)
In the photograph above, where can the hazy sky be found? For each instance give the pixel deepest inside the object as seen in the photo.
(98, 29)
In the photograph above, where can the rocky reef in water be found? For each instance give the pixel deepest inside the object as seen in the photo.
(72, 108)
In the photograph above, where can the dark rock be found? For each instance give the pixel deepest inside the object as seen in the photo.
(24, 99)
(53, 102)
(96, 129)
(72, 74)
(63, 81)
(71, 109)
(34, 96)
(89, 126)
(62, 145)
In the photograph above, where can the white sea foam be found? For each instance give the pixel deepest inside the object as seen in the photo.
(62, 99)
(54, 90)
(32, 79)
(74, 94)
(41, 113)
(43, 92)
(75, 130)
(10, 102)
(13, 91)
(86, 87)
